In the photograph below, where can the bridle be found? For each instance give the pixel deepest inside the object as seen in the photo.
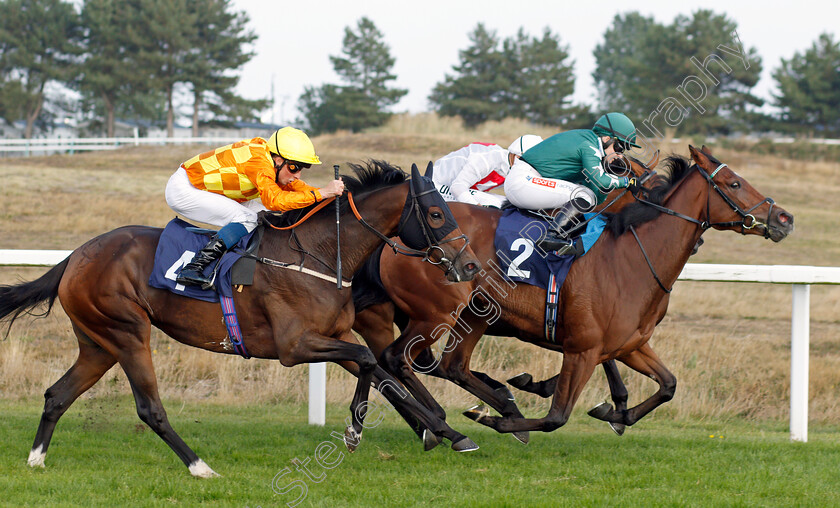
(413, 211)
(747, 222)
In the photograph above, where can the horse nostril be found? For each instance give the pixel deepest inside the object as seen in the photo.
(471, 268)
(786, 219)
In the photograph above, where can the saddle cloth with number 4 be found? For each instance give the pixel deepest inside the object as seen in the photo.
(176, 248)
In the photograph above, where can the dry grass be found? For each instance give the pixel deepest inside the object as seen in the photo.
(728, 344)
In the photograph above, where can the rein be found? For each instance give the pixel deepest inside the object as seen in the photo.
(706, 224)
(434, 246)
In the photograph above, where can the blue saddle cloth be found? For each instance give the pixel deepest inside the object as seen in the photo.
(176, 248)
(521, 261)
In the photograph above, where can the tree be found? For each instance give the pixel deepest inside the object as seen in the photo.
(219, 48)
(365, 67)
(627, 65)
(39, 44)
(164, 33)
(541, 82)
(528, 78)
(111, 79)
(693, 74)
(479, 90)
(809, 87)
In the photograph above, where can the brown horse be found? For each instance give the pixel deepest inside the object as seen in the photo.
(425, 305)
(287, 315)
(612, 298)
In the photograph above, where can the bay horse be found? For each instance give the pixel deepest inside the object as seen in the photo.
(421, 309)
(612, 298)
(286, 314)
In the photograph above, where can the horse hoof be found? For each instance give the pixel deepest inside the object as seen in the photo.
(352, 438)
(521, 380)
(523, 437)
(600, 411)
(476, 413)
(464, 445)
(430, 440)
(505, 393)
(618, 428)
(200, 469)
(36, 457)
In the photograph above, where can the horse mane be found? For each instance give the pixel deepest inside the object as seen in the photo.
(637, 213)
(370, 176)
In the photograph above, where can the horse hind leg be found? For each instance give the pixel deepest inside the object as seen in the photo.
(92, 363)
(138, 367)
(646, 362)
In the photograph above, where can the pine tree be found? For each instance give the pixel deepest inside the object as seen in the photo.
(642, 64)
(39, 45)
(479, 90)
(221, 38)
(809, 88)
(365, 67)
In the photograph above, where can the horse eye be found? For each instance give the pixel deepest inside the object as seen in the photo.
(437, 215)
(735, 185)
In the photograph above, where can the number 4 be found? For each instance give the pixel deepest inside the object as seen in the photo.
(185, 258)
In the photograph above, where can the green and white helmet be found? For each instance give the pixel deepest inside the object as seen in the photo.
(616, 125)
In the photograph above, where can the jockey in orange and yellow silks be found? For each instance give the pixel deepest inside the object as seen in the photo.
(228, 186)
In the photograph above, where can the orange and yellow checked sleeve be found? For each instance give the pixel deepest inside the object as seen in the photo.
(287, 197)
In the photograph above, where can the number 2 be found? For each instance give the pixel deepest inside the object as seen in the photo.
(527, 247)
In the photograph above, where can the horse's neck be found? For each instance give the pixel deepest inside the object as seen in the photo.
(381, 210)
(669, 240)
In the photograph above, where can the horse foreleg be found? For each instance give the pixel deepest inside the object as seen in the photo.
(526, 383)
(312, 347)
(400, 359)
(645, 361)
(92, 363)
(376, 326)
(455, 366)
(576, 371)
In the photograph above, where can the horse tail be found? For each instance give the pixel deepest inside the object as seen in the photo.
(20, 298)
(367, 283)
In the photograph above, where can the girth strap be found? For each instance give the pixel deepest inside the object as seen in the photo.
(551, 298)
(232, 324)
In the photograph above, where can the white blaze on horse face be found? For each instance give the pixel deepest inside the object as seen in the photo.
(36, 457)
(200, 469)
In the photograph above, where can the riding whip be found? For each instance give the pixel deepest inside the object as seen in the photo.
(337, 237)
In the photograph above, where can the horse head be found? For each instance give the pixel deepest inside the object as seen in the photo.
(739, 206)
(427, 224)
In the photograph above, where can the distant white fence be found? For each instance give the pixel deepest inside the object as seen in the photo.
(71, 145)
(800, 277)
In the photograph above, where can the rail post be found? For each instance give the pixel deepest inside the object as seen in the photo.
(799, 344)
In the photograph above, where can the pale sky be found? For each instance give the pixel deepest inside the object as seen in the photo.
(295, 39)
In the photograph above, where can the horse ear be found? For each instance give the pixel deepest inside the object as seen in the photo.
(415, 173)
(654, 160)
(698, 156)
(705, 149)
(430, 169)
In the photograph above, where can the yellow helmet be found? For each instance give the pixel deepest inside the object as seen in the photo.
(293, 144)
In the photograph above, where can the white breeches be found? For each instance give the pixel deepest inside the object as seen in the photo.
(483, 198)
(526, 188)
(209, 207)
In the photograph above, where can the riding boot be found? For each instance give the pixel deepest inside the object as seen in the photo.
(557, 238)
(193, 273)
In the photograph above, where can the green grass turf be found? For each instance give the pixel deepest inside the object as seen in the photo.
(102, 455)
